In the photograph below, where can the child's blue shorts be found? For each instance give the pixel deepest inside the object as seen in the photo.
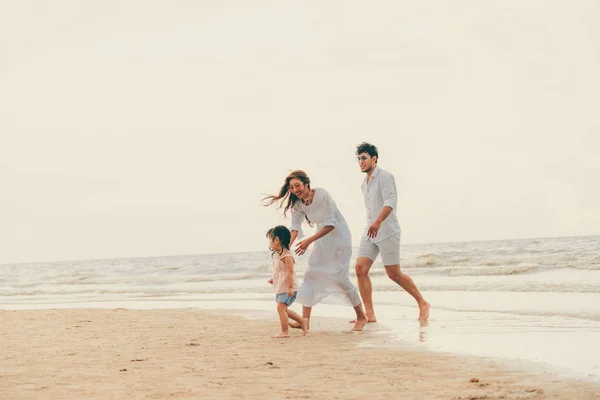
(285, 299)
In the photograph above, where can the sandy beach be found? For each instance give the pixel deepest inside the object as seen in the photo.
(189, 353)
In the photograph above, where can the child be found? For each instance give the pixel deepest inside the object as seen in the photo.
(284, 279)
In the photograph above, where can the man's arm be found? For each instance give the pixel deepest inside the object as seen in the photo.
(390, 199)
(375, 226)
(385, 212)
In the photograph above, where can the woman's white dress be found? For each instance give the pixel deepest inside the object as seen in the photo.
(328, 265)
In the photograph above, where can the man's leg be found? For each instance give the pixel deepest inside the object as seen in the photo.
(390, 255)
(406, 283)
(363, 266)
(367, 253)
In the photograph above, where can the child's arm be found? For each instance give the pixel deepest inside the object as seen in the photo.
(289, 268)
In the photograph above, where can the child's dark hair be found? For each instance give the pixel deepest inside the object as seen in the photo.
(282, 233)
(368, 148)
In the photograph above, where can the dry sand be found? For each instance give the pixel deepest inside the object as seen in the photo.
(167, 354)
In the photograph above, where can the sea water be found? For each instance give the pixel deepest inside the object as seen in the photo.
(530, 301)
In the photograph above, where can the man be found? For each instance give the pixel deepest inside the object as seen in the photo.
(382, 234)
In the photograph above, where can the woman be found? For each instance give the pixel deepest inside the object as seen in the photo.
(328, 265)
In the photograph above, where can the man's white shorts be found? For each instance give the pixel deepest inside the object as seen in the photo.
(388, 247)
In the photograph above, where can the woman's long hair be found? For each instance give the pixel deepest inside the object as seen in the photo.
(285, 194)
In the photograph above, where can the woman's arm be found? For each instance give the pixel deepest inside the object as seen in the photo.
(303, 245)
(294, 237)
(329, 223)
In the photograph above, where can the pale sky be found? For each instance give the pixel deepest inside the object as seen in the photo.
(148, 128)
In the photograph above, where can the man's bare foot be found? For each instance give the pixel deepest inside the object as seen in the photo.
(281, 336)
(424, 311)
(370, 318)
(296, 325)
(360, 324)
(304, 326)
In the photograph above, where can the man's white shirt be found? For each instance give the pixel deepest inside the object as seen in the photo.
(379, 192)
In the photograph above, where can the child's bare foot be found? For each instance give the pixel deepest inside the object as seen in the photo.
(281, 336)
(360, 324)
(304, 326)
(370, 318)
(424, 309)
